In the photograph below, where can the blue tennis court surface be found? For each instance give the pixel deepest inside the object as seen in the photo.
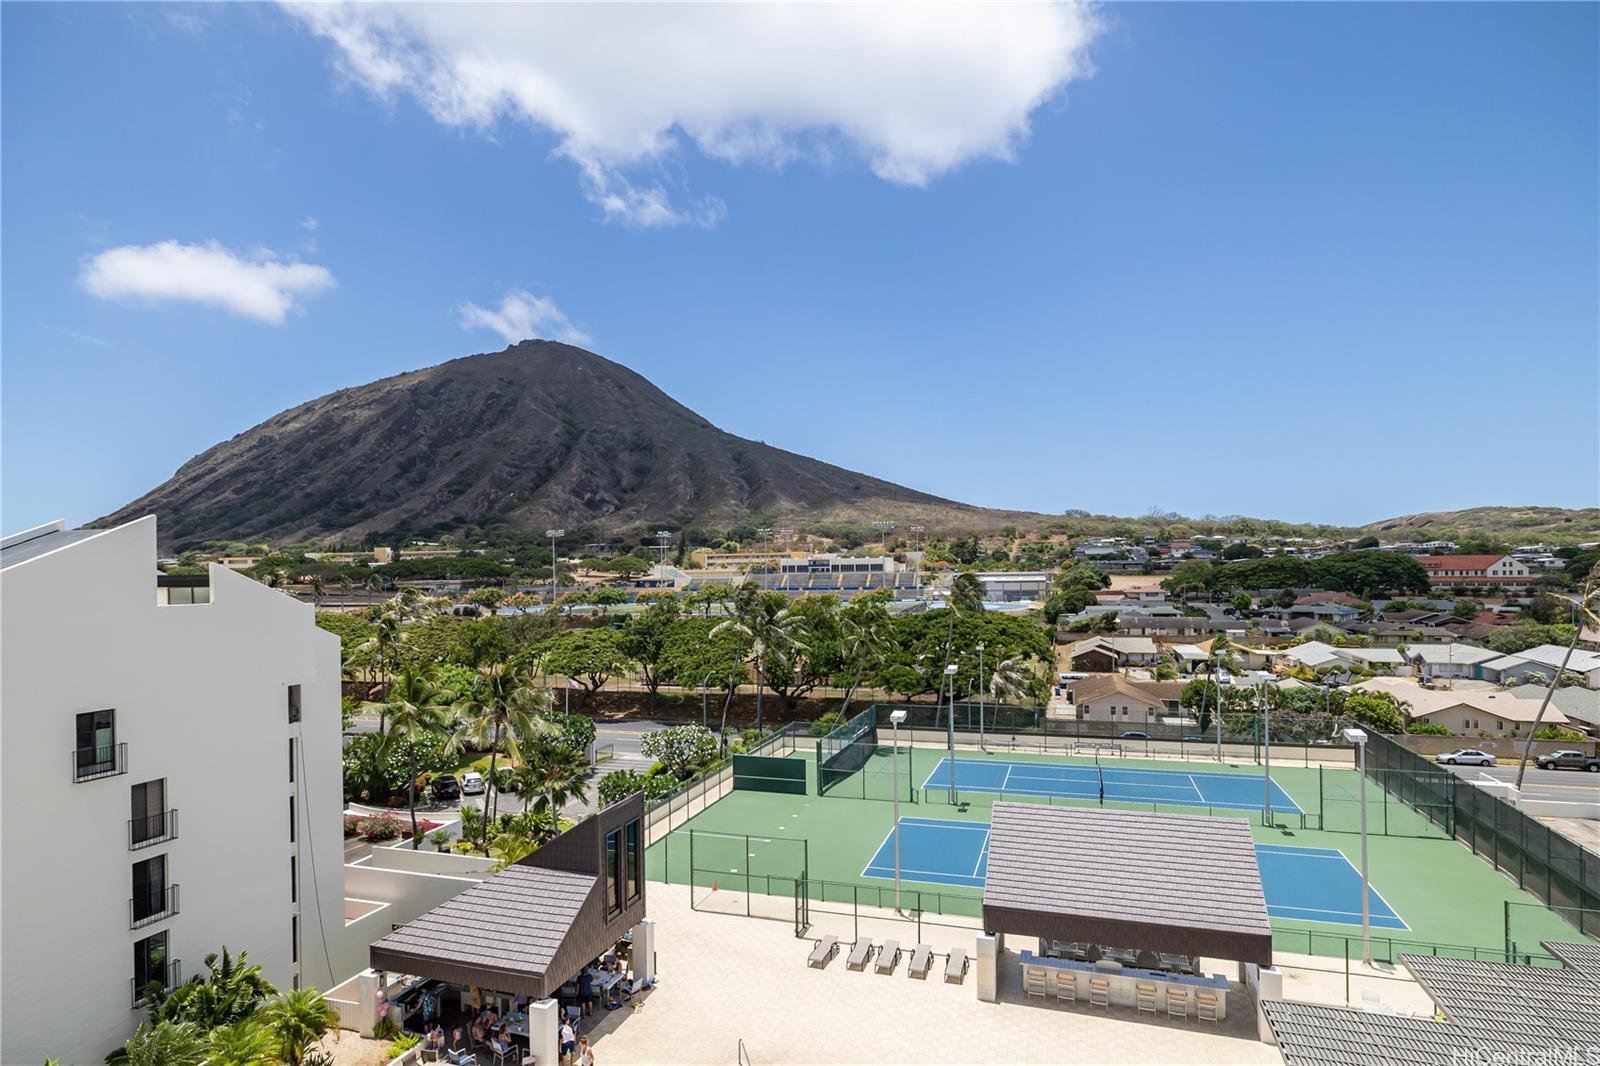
(1310, 884)
(1239, 792)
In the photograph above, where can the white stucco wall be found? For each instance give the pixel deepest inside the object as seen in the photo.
(200, 694)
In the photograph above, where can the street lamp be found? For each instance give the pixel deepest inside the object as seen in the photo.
(1266, 735)
(981, 746)
(950, 727)
(1358, 737)
(895, 718)
(554, 580)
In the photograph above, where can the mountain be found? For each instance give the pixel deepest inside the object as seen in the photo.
(538, 434)
(1517, 525)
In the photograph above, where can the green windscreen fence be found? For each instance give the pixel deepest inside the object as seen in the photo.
(847, 749)
(766, 773)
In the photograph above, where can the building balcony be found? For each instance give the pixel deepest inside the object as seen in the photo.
(171, 977)
(147, 908)
(102, 760)
(152, 829)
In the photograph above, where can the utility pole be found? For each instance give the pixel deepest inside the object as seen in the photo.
(554, 578)
(895, 718)
(981, 745)
(950, 726)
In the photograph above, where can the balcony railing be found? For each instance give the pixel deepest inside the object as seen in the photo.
(170, 978)
(152, 829)
(150, 907)
(102, 760)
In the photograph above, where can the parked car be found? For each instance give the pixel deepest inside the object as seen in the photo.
(472, 783)
(445, 787)
(1135, 734)
(1569, 760)
(1466, 757)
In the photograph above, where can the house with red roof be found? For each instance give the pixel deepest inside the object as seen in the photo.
(1475, 571)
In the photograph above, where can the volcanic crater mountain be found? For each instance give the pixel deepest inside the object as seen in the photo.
(539, 433)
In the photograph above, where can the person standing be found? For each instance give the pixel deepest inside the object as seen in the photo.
(586, 992)
(569, 1040)
(585, 1053)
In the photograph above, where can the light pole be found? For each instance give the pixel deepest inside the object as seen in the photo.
(895, 718)
(950, 727)
(704, 712)
(1266, 734)
(981, 746)
(554, 580)
(1358, 737)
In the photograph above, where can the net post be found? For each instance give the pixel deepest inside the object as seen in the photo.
(691, 870)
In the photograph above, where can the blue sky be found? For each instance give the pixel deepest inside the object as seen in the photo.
(1313, 262)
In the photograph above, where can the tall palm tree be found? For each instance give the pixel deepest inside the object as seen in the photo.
(232, 990)
(243, 1043)
(865, 636)
(966, 593)
(298, 1019)
(559, 774)
(162, 1044)
(766, 621)
(417, 706)
(1013, 677)
(319, 588)
(503, 705)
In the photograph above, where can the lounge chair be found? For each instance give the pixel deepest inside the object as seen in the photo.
(1099, 992)
(1178, 1002)
(956, 967)
(921, 959)
(1144, 997)
(859, 954)
(888, 956)
(823, 951)
(1205, 1005)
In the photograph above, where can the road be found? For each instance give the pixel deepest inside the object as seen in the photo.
(1562, 786)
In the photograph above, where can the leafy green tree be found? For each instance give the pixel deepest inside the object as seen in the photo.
(587, 656)
(1508, 640)
(1241, 550)
(1379, 710)
(298, 1020)
(417, 707)
(680, 748)
(865, 637)
(645, 640)
(1465, 608)
(1241, 602)
(558, 774)
(1189, 576)
(1555, 732)
(501, 704)
(769, 627)
(620, 784)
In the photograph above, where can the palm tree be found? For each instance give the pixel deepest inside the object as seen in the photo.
(865, 636)
(162, 1044)
(243, 1043)
(966, 593)
(765, 620)
(559, 774)
(1586, 611)
(230, 992)
(504, 704)
(319, 587)
(298, 1019)
(1013, 677)
(417, 707)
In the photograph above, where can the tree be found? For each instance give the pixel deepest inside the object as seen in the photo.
(1586, 611)
(162, 1044)
(588, 656)
(1379, 710)
(417, 707)
(1188, 576)
(298, 1020)
(558, 774)
(503, 700)
(1241, 602)
(1508, 640)
(1368, 541)
(966, 592)
(680, 748)
(865, 636)
(231, 991)
(645, 640)
(1241, 550)
(766, 622)
(243, 1043)
(1465, 609)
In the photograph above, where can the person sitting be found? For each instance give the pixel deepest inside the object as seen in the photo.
(479, 1031)
(435, 1038)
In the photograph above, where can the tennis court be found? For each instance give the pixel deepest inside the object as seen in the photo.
(1239, 792)
(1311, 884)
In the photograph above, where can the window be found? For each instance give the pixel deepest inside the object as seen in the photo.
(291, 819)
(291, 760)
(148, 813)
(149, 963)
(149, 889)
(96, 743)
(294, 879)
(294, 938)
(177, 596)
(635, 870)
(614, 876)
(294, 704)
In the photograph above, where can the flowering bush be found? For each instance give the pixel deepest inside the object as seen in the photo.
(380, 827)
(680, 748)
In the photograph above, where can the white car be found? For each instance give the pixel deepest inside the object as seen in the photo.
(472, 783)
(1466, 757)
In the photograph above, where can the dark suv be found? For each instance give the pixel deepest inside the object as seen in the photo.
(445, 787)
(1569, 760)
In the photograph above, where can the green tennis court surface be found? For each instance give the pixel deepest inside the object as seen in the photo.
(1447, 895)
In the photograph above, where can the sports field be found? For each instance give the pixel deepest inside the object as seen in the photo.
(1427, 888)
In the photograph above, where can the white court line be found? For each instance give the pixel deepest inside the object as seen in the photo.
(1335, 855)
(981, 853)
(1009, 767)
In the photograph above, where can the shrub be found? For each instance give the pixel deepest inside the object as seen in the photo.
(440, 839)
(379, 827)
(1428, 729)
(403, 1043)
(680, 748)
(385, 1028)
(825, 724)
(1553, 732)
(577, 730)
(352, 824)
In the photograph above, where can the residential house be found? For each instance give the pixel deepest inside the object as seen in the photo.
(1488, 712)
(1580, 705)
(1584, 663)
(1318, 655)
(223, 708)
(1102, 653)
(1475, 571)
(1434, 661)
(1131, 704)
(1324, 611)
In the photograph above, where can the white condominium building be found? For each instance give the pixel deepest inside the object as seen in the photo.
(171, 784)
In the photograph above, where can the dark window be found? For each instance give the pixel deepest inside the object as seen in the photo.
(635, 874)
(614, 876)
(150, 962)
(97, 740)
(294, 879)
(294, 938)
(291, 760)
(149, 887)
(294, 704)
(291, 819)
(148, 812)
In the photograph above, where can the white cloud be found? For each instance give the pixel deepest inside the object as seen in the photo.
(522, 316)
(913, 90)
(260, 286)
(310, 223)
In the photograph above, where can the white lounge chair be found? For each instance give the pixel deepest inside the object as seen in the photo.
(823, 951)
(921, 959)
(956, 967)
(859, 954)
(888, 956)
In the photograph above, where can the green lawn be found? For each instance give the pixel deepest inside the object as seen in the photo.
(1446, 894)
